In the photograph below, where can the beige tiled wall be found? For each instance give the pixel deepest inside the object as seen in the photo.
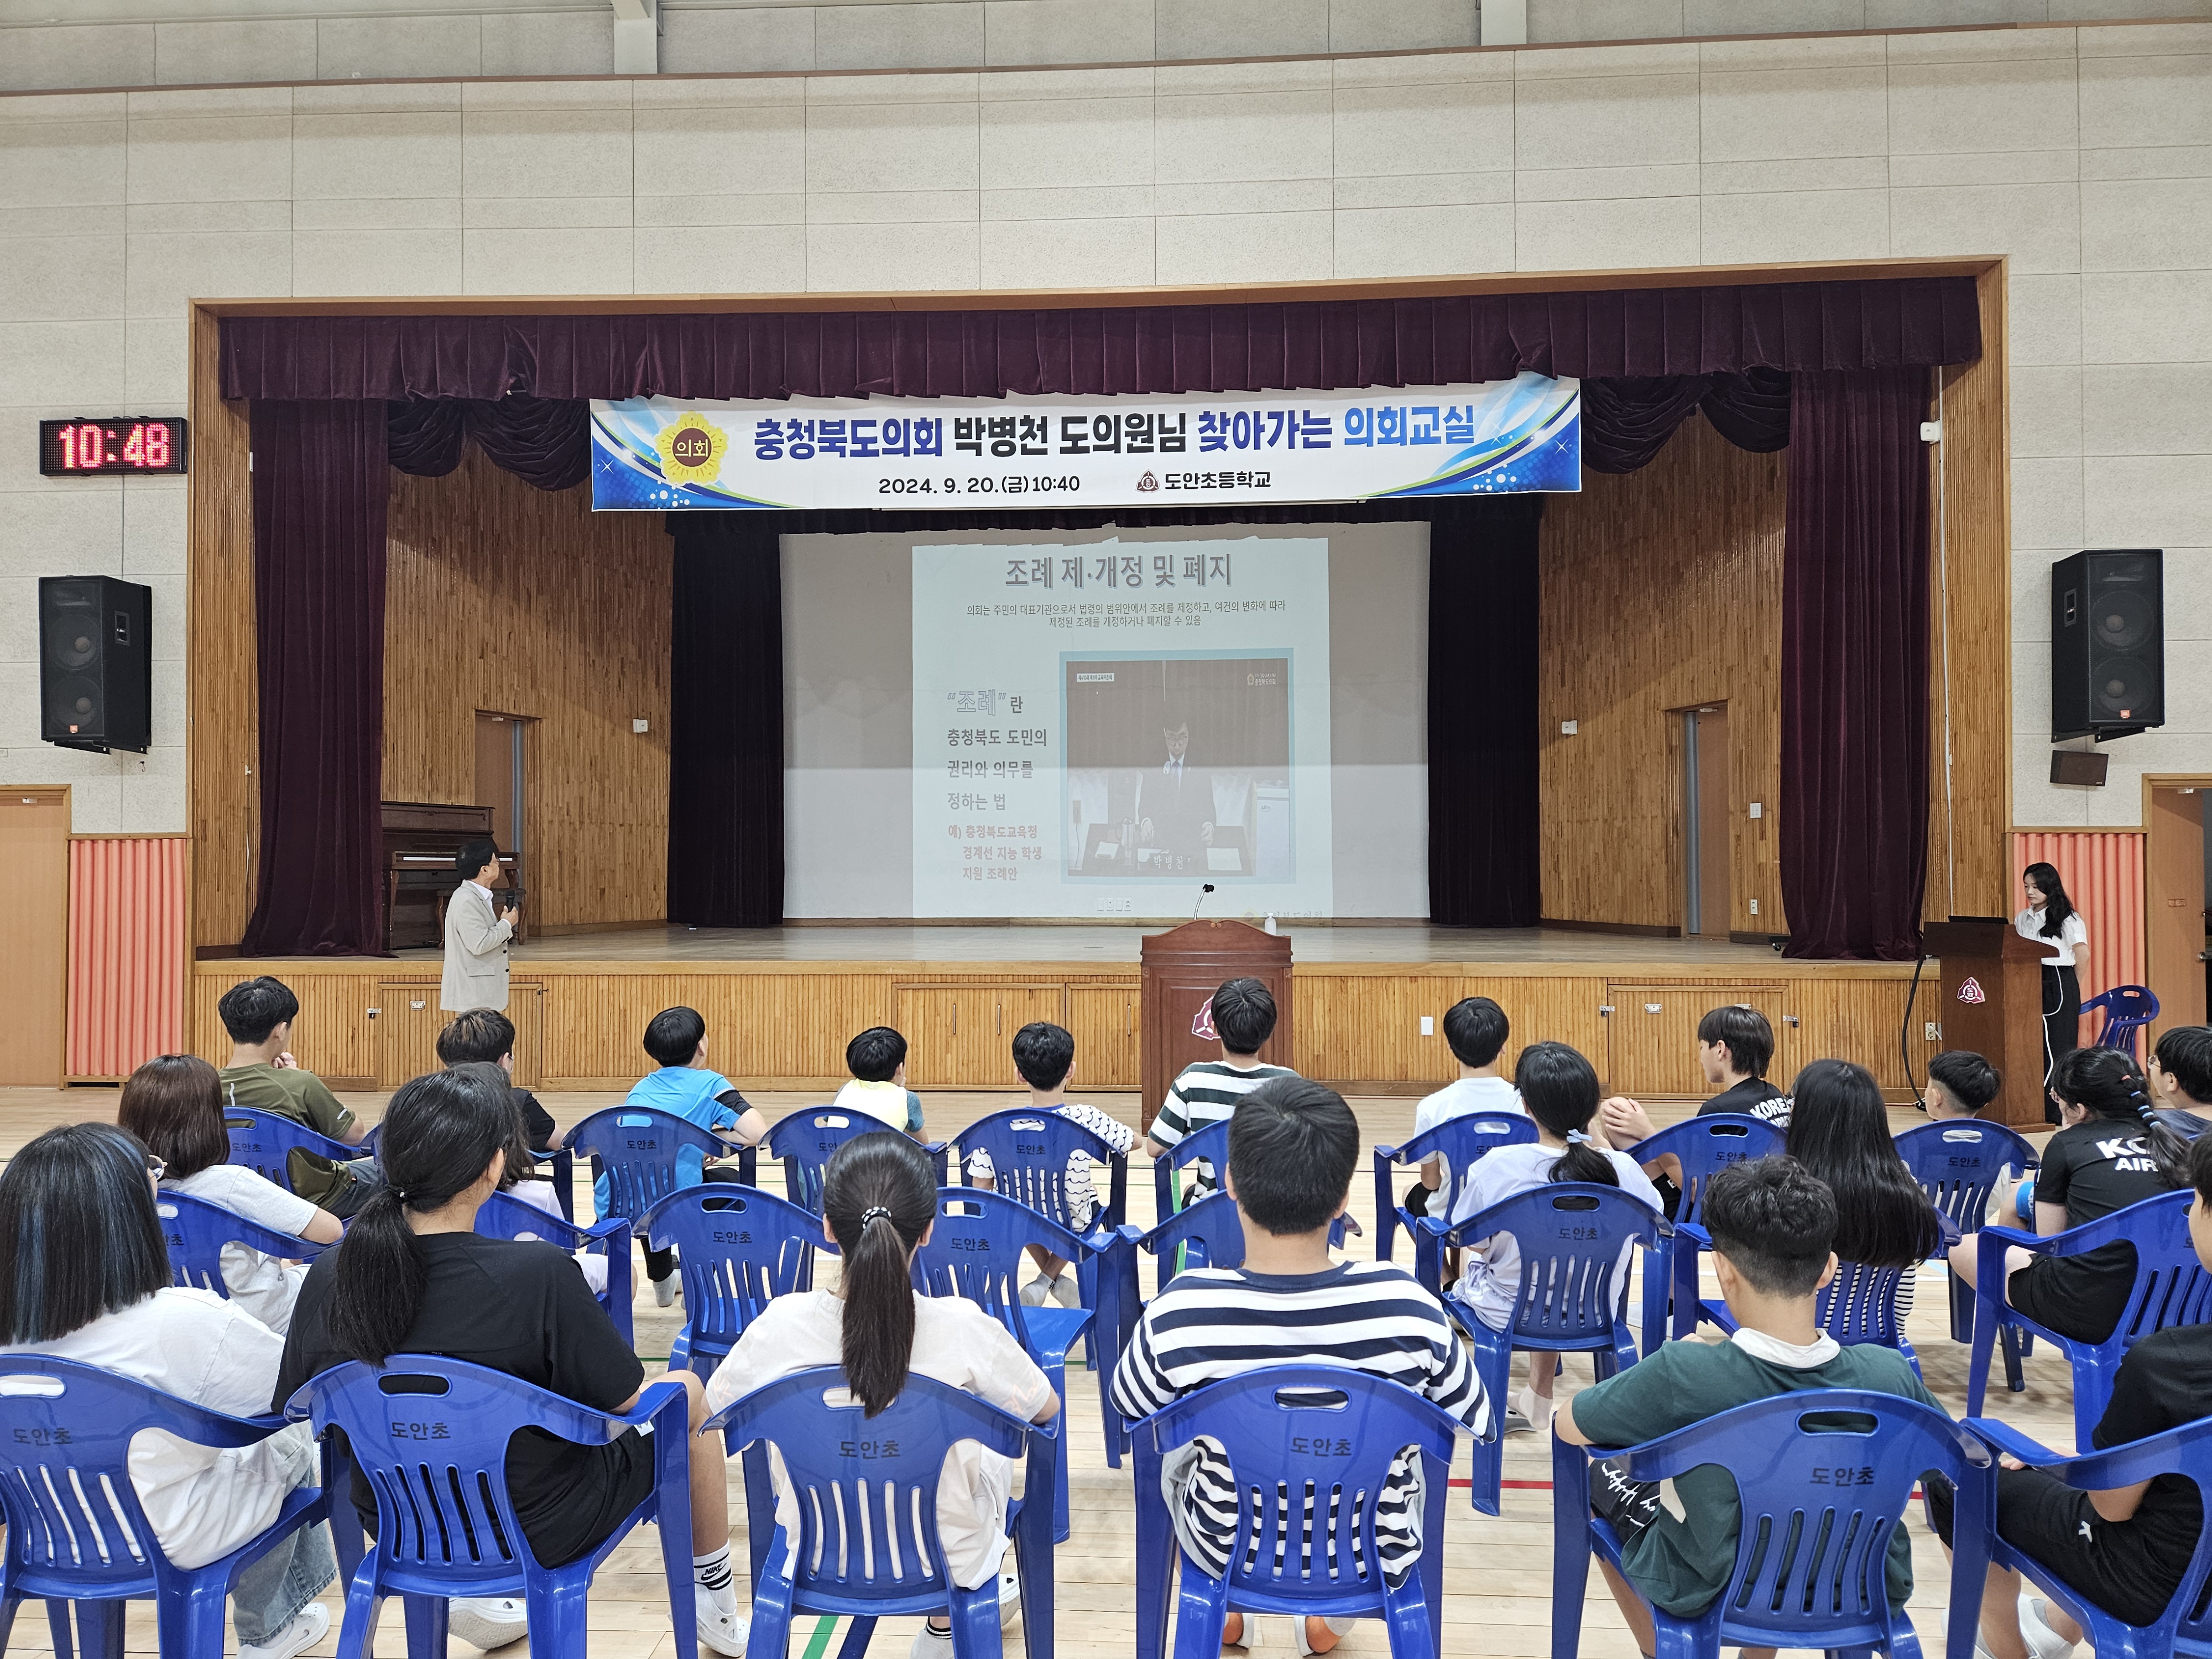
(2086, 155)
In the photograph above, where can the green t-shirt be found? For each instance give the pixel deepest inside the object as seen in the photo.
(1680, 1565)
(290, 1092)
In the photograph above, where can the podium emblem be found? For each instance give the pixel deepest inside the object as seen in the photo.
(1971, 991)
(1201, 1024)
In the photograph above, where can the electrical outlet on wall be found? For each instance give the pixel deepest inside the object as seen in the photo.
(1932, 1031)
(1754, 907)
(1428, 1025)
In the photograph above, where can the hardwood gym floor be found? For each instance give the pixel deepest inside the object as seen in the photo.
(1497, 1573)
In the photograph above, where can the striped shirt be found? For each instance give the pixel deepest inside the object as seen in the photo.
(1370, 1317)
(1203, 1096)
(1082, 1195)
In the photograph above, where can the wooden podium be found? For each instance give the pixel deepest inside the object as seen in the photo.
(1992, 1002)
(1182, 968)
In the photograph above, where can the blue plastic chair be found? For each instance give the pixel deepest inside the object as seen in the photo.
(2127, 1009)
(1811, 1567)
(868, 1546)
(737, 1247)
(2186, 1451)
(261, 1142)
(634, 1148)
(1858, 1305)
(1211, 1144)
(1573, 1298)
(505, 1216)
(2170, 1288)
(975, 1250)
(1030, 1151)
(1958, 1163)
(1301, 1440)
(805, 1141)
(1461, 1141)
(430, 1435)
(68, 1432)
(1704, 1146)
(197, 1231)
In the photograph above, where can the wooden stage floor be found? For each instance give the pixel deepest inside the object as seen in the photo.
(1092, 945)
(1497, 1575)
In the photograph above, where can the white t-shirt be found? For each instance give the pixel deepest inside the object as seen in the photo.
(2071, 932)
(204, 1502)
(1492, 1281)
(1464, 1098)
(955, 1342)
(265, 1285)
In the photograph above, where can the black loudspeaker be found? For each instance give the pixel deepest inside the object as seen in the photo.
(95, 663)
(2108, 643)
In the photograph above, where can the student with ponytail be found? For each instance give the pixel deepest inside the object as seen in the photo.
(414, 1276)
(878, 1202)
(1559, 1089)
(2110, 1152)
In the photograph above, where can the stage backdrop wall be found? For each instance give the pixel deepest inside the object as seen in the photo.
(516, 600)
(849, 714)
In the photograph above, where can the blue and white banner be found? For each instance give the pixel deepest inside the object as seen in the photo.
(1198, 449)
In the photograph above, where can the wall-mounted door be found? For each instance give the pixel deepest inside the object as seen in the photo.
(2175, 900)
(1651, 1037)
(503, 742)
(34, 829)
(1105, 1021)
(1708, 899)
(961, 1037)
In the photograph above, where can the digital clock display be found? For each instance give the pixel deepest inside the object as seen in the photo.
(116, 443)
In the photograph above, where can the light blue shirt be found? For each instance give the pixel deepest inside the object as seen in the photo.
(690, 1092)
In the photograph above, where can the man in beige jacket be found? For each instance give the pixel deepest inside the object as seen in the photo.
(476, 934)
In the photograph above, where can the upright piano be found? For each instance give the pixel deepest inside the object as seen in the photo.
(421, 840)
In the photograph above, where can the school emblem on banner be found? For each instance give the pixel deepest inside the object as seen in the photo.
(1971, 991)
(692, 449)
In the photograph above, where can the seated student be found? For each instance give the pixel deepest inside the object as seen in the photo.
(1960, 1083)
(263, 1076)
(1293, 1149)
(878, 1204)
(877, 1060)
(413, 1276)
(1772, 1225)
(686, 1087)
(2109, 1153)
(2180, 1079)
(1044, 1054)
(1207, 1090)
(1734, 1044)
(2126, 1550)
(173, 1105)
(487, 1034)
(1560, 1091)
(1840, 1134)
(84, 1275)
(1476, 1029)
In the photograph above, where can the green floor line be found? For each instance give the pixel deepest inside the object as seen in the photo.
(823, 1629)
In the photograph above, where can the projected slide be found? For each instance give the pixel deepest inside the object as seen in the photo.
(1100, 730)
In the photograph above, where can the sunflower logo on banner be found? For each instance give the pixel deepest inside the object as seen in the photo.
(691, 450)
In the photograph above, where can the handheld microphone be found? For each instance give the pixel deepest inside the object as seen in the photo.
(1202, 893)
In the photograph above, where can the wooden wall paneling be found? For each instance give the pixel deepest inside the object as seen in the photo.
(504, 597)
(1105, 1021)
(333, 1036)
(960, 1036)
(1652, 1033)
(221, 693)
(1688, 552)
(1858, 1019)
(1976, 621)
(408, 1021)
(34, 934)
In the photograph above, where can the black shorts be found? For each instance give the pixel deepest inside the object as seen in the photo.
(2080, 1297)
(2102, 1561)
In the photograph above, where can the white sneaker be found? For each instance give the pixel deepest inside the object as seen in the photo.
(937, 1645)
(487, 1621)
(1066, 1292)
(664, 1292)
(724, 1632)
(1033, 1293)
(2043, 1642)
(308, 1626)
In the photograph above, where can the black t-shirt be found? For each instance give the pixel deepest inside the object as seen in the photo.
(521, 1308)
(2165, 1382)
(1754, 1097)
(2094, 1169)
(535, 1118)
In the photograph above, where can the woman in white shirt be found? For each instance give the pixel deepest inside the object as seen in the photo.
(2051, 921)
(84, 1275)
(173, 1105)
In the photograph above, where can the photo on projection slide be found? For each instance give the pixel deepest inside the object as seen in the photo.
(1179, 765)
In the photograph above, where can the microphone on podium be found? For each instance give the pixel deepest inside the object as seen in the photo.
(1202, 893)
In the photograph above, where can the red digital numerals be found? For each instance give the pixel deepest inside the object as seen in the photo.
(86, 449)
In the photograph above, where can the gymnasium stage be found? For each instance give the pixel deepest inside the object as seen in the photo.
(780, 1003)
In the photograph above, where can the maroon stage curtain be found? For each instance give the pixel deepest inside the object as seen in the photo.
(1316, 344)
(546, 441)
(1854, 711)
(320, 478)
(1626, 423)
